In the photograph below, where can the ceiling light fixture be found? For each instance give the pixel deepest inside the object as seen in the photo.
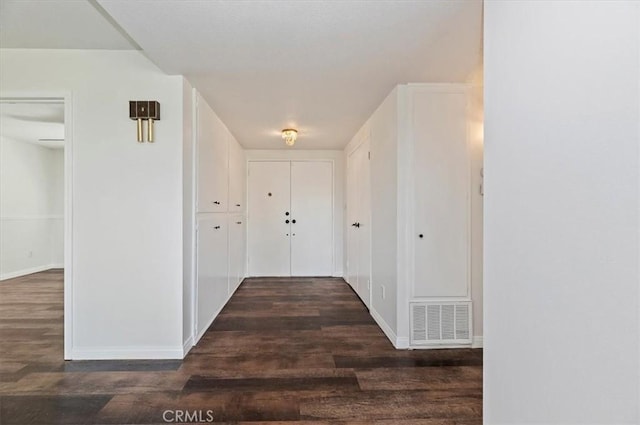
(289, 135)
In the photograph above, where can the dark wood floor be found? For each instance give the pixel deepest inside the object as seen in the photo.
(282, 351)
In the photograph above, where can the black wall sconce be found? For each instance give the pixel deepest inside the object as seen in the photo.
(144, 110)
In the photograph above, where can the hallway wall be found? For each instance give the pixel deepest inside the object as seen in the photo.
(128, 197)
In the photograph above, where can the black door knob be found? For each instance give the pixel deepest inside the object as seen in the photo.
(286, 221)
(216, 227)
(353, 224)
(293, 221)
(287, 213)
(421, 236)
(358, 225)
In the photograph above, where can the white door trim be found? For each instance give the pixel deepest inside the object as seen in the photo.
(67, 98)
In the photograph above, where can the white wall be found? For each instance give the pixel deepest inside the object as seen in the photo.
(562, 108)
(338, 193)
(31, 208)
(384, 214)
(127, 211)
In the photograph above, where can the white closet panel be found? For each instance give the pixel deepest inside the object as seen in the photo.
(269, 203)
(236, 250)
(212, 288)
(359, 224)
(213, 159)
(237, 176)
(311, 218)
(441, 196)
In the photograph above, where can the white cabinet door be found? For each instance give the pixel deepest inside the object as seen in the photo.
(311, 218)
(353, 212)
(213, 159)
(364, 225)
(212, 285)
(236, 250)
(441, 198)
(269, 218)
(237, 176)
(359, 222)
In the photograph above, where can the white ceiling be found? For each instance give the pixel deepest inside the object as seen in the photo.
(319, 66)
(38, 123)
(58, 24)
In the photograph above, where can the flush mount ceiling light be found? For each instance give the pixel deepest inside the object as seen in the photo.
(289, 135)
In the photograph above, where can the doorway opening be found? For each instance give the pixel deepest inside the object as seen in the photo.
(35, 212)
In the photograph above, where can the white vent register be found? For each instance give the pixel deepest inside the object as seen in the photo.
(442, 323)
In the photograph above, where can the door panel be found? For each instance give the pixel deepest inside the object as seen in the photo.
(311, 218)
(353, 200)
(237, 176)
(441, 196)
(269, 200)
(364, 228)
(212, 284)
(236, 250)
(212, 145)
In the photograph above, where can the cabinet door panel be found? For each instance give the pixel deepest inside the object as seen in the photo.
(213, 159)
(364, 225)
(268, 232)
(236, 251)
(311, 218)
(212, 285)
(353, 212)
(441, 197)
(237, 176)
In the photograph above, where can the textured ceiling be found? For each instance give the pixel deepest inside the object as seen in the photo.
(319, 66)
(58, 24)
(37, 123)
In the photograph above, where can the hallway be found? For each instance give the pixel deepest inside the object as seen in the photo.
(282, 350)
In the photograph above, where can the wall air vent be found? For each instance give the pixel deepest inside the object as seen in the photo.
(442, 323)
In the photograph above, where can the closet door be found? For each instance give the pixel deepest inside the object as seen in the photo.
(311, 218)
(353, 212)
(441, 197)
(363, 229)
(213, 159)
(236, 251)
(212, 283)
(237, 176)
(269, 218)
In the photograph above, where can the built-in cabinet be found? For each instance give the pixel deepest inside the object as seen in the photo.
(418, 172)
(220, 215)
(290, 229)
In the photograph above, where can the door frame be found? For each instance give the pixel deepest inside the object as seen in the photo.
(66, 97)
(333, 202)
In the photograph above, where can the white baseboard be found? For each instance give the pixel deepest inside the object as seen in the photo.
(31, 270)
(400, 343)
(477, 342)
(127, 353)
(186, 347)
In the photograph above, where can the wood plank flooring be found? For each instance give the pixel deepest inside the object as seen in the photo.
(283, 351)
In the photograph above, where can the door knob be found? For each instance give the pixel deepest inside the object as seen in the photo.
(216, 202)
(353, 224)
(216, 227)
(287, 213)
(421, 236)
(237, 205)
(358, 225)
(286, 221)
(293, 221)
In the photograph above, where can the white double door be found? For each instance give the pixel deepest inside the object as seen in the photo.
(359, 222)
(290, 224)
